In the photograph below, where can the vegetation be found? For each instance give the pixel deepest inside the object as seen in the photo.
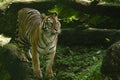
(71, 62)
(77, 63)
(112, 1)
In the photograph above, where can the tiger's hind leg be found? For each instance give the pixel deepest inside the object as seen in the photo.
(24, 47)
(28, 54)
(50, 62)
(21, 56)
(21, 51)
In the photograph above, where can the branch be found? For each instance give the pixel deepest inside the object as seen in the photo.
(109, 10)
(91, 36)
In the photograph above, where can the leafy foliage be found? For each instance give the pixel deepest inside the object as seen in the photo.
(76, 63)
(2, 0)
(112, 1)
(4, 75)
(63, 11)
(71, 63)
(91, 73)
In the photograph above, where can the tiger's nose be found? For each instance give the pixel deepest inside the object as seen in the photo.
(54, 32)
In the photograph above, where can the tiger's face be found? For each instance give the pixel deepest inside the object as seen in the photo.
(51, 25)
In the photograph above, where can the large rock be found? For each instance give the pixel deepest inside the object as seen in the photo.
(111, 61)
(11, 65)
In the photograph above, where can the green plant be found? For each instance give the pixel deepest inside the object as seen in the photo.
(2, 0)
(63, 11)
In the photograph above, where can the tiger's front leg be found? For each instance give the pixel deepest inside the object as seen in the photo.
(50, 62)
(36, 64)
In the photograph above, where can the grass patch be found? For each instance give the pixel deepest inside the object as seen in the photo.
(78, 63)
(75, 63)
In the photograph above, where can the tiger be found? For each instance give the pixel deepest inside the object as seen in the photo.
(38, 35)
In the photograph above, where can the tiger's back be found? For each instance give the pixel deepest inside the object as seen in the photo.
(28, 20)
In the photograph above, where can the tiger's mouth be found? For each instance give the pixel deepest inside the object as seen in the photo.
(52, 31)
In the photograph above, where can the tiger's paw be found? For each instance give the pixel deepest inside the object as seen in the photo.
(22, 58)
(50, 73)
(38, 74)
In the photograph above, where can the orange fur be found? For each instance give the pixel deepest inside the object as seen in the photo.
(43, 42)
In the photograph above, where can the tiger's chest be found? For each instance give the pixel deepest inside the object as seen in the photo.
(47, 49)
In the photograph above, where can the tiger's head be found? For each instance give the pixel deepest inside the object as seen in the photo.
(51, 25)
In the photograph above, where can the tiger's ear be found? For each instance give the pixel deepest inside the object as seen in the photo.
(54, 14)
(43, 15)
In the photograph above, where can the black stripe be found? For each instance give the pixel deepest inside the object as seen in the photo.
(44, 40)
(24, 39)
(52, 47)
(21, 42)
(37, 51)
(40, 46)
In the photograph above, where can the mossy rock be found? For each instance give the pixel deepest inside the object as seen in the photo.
(111, 61)
(12, 68)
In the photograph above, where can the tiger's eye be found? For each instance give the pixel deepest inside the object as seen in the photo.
(50, 20)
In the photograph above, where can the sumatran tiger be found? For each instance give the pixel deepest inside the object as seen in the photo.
(39, 34)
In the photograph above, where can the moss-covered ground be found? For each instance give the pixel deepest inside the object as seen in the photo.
(73, 63)
(78, 63)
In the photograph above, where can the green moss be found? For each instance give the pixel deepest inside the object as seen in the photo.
(4, 75)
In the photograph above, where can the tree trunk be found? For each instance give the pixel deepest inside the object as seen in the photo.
(90, 36)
